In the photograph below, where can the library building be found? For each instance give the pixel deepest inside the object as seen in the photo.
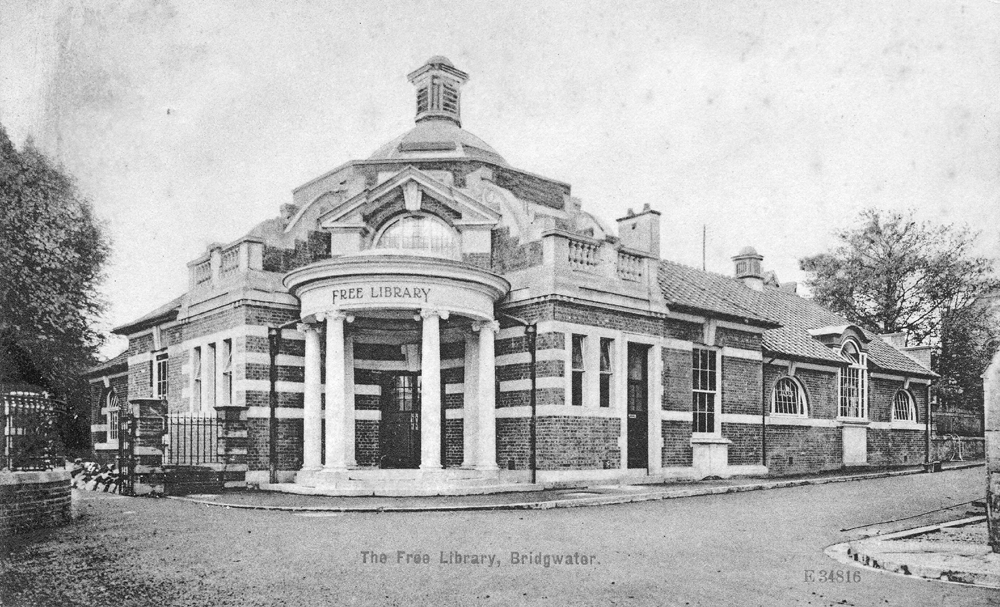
(433, 320)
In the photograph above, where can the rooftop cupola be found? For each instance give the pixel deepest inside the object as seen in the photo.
(439, 94)
(748, 268)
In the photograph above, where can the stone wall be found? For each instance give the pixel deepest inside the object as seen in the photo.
(34, 500)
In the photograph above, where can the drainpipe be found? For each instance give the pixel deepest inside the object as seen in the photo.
(927, 431)
(531, 332)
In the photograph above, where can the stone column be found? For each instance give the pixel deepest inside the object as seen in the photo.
(430, 399)
(991, 385)
(486, 407)
(349, 427)
(470, 410)
(312, 412)
(336, 427)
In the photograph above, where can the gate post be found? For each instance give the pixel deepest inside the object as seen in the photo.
(991, 412)
(233, 445)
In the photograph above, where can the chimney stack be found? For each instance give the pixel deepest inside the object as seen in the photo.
(641, 231)
(748, 268)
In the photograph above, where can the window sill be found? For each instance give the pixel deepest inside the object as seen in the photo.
(709, 439)
(854, 421)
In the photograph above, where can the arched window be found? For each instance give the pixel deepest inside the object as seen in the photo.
(788, 398)
(903, 407)
(854, 382)
(113, 405)
(420, 233)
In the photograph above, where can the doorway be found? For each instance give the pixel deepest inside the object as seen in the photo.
(637, 396)
(399, 431)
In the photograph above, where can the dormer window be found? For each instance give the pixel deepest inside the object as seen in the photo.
(854, 382)
(420, 232)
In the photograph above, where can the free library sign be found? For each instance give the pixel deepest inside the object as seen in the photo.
(357, 283)
(383, 291)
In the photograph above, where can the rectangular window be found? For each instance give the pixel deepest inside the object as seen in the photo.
(162, 385)
(196, 372)
(704, 390)
(577, 370)
(208, 378)
(607, 364)
(227, 372)
(113, 425)
(852, 393)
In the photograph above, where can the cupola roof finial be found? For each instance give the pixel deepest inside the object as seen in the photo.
(439, 86)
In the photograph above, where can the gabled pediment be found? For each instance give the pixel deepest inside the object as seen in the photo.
(416, 191)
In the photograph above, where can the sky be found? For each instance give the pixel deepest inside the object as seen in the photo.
(771, 124)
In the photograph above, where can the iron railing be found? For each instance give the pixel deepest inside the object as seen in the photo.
(194, 440)
(31, 434)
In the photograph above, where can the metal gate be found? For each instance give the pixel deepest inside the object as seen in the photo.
(125, 461)
(192, 440)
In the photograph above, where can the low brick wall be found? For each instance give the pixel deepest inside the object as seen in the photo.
(34, 500)
(951, 447)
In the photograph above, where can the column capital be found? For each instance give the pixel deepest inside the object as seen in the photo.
(335, 315)
(302, 327)
(486, 325)
(428, 312)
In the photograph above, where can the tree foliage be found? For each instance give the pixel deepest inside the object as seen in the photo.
(52, 254)
(892, 274)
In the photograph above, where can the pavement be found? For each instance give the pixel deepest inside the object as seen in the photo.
(564, 497)
(956, 551)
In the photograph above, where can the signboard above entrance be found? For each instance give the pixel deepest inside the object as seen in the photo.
(383, 291)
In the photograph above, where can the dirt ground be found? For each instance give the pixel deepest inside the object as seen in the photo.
(741, 549)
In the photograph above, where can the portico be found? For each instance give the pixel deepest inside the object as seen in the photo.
(404, 304)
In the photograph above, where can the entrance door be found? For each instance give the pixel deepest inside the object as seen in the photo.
(399, 431)
(637, 429)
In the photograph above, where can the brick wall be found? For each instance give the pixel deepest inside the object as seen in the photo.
(289, 444)
(34, 500)
(895, 447)
(454, 443)
(731, 338)
(614, 320)
(529, 187)
(741, 386)
(513, 443)
(510, 256)
(366, 442)
(800, 449)
(683, 330)
(563, 443)
(881, 393)
(676, 443)
(522, 398)
(820, 388)
(745, 450)
(676, 380)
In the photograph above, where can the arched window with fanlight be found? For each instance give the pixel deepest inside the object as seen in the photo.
(903, 407)
(420, 233)
(853, 382)
(788, 398)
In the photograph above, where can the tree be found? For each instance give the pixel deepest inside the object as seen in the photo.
(52, 254)
(893, 274)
